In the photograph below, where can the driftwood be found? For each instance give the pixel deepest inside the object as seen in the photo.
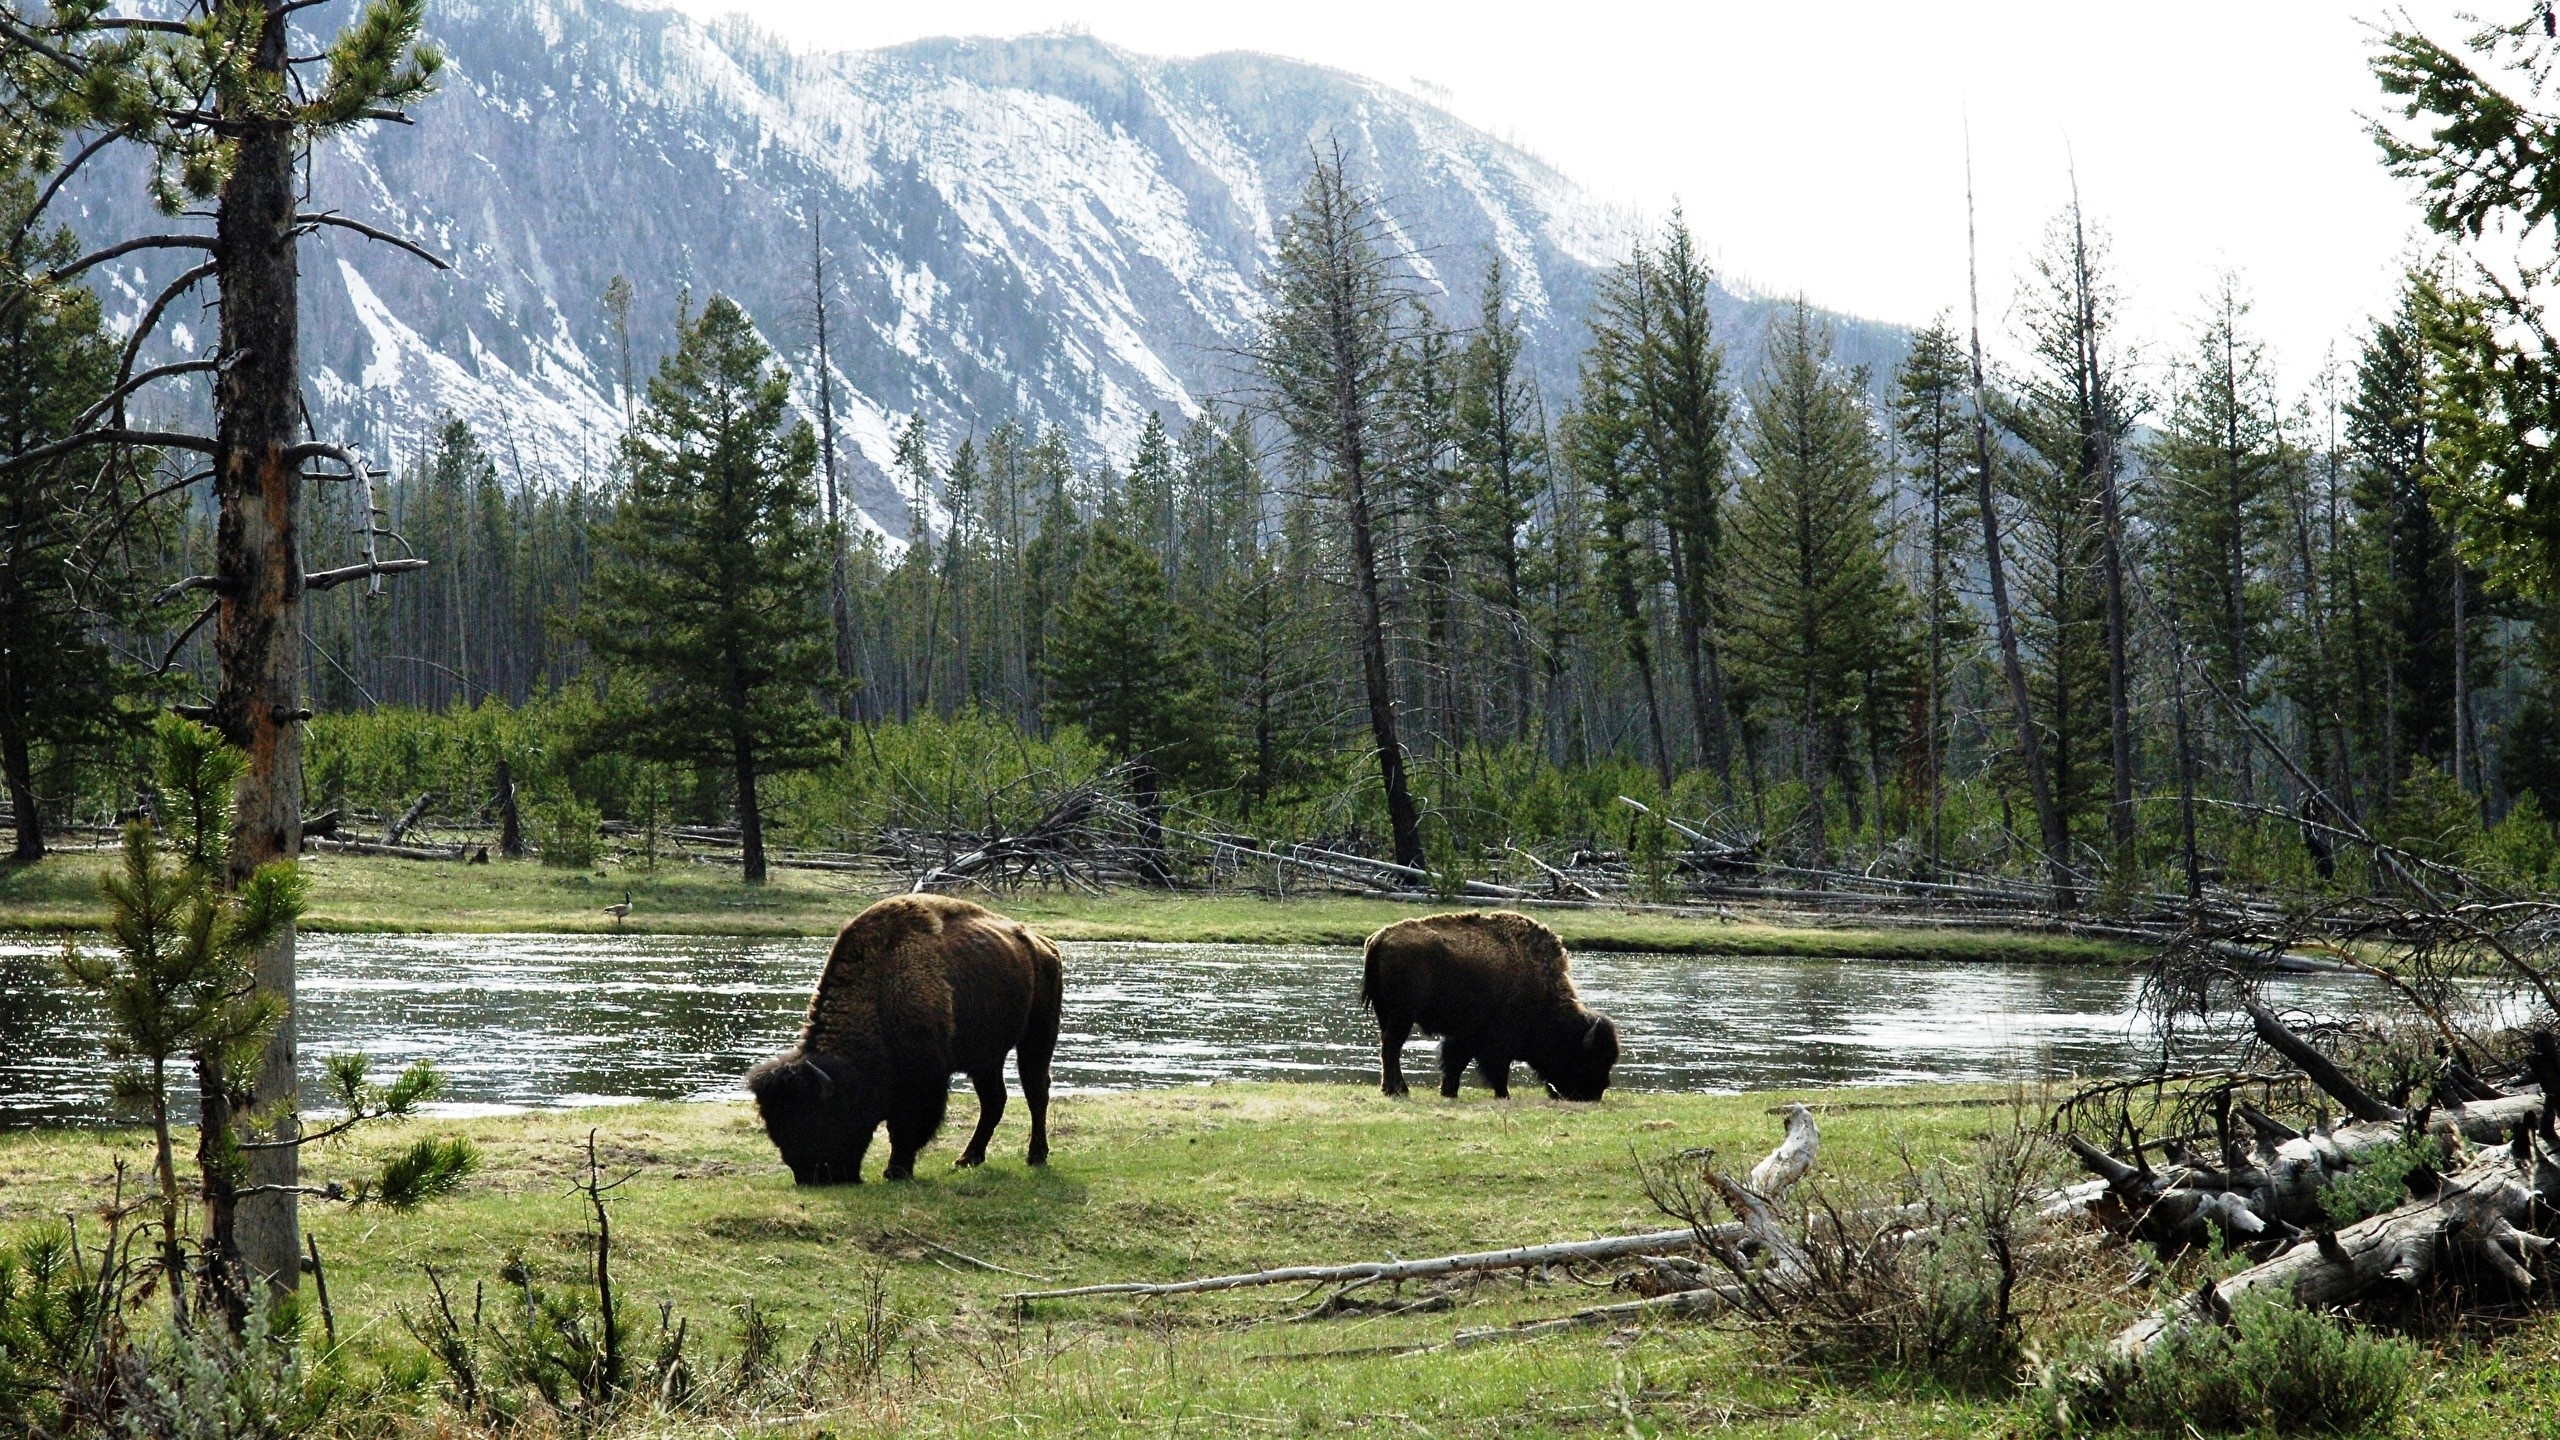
(409, 817)
(2476, 1221)
(2476, 1224)
(2271, 1190)
(396, 852)
(1522, 1257)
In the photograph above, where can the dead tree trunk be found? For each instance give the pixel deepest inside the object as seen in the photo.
(510, 822)
(2057, 839)
(2476, 1222)
(257, 480)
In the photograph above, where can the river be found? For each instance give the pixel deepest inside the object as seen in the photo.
(556, 1020)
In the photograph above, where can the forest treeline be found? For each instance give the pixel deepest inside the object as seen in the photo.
(2126, 627)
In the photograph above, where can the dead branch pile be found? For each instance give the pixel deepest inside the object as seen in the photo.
(2430, 1105)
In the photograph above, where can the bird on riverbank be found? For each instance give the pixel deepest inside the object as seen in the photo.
(618, 911)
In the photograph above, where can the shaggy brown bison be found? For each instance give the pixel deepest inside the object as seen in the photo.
(918, 986)
(1493, 986)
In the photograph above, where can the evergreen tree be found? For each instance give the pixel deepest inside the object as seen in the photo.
(1126, 663)
(1328, 351)
(1931, 411)
(1665, 300)
(1149, 499)
(714, 561)
(1601, 438)
(2217, 466)
(1503, 458)
(68, 527)
(1815, 608)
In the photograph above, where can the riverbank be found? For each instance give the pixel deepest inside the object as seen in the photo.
(353, 893)
(1163, 1185)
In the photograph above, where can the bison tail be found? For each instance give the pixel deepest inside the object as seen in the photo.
(1369, 975)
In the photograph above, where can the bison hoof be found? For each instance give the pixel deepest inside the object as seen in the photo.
(899, 1172)
(967, 1161)
(1037, 1157)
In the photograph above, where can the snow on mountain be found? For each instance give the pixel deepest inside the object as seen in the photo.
(1048, 227)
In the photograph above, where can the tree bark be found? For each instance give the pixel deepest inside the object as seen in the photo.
(2057, 839)
(24, 813)
(750, 814)
(510, 822)
(2479, 1217)
(839, 591)
(258, 566)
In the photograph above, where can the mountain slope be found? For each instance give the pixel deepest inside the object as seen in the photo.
(1046, 227)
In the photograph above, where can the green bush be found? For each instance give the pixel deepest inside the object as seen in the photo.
(2274, 1368)
(564, 832)
(2378, 1182)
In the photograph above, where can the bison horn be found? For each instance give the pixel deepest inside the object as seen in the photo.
(1591, 1036)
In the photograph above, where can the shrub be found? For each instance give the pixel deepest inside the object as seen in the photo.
(2379, 1182)
(2274, 1367)
(564, 832)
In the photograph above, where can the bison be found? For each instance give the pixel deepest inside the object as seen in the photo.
(1493, 986)
(918, 986)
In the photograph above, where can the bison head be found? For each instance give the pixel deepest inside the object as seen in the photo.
(1585, 1050)
(813, 1111)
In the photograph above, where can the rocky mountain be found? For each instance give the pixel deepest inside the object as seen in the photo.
(1049, 227)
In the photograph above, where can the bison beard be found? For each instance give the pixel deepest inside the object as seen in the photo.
(917, 987)
(1494, 986)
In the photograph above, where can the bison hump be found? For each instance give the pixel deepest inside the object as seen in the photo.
(887, 982)
(1501, 939)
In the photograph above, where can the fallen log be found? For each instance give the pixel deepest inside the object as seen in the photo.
(2479, 1218)
(1517, 1258)
(409, 817)
(376, 847)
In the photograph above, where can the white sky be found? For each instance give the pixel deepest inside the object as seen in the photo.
(1819, 147)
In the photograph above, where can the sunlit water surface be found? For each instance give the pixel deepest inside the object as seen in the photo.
(548, 1020)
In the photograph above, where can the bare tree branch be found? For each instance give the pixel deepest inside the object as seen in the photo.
(191, 583)
(139, 242)
(114, 399)
(309, 221)
(180, 643)
(162, 439)
(332, 579)
(151, 318)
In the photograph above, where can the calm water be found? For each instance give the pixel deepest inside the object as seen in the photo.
(517, 1020)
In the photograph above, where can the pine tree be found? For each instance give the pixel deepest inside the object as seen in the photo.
(1125, 665)
(1815, 607)
(1601, 438)
(1328, 352)
(1503, 456)
(1930, 409)
(2217, 466)
(708, 592)
(67, 529)
(1686, 419)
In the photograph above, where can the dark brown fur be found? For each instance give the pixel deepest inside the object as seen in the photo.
(917, 987)
(1495, 986)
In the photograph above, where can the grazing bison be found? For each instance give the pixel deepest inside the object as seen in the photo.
(918, 986)
(1493, 986)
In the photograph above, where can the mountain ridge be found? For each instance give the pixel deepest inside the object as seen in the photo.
(1049, 227)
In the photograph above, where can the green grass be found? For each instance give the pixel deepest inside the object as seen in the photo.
(1167, 1184)
(364, 893)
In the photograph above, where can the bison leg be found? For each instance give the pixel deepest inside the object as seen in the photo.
(990, 1087)
(1453, 1068)
(912, 1121)
(1497, 1073)
(1034, 1070)
(1393, 1031)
